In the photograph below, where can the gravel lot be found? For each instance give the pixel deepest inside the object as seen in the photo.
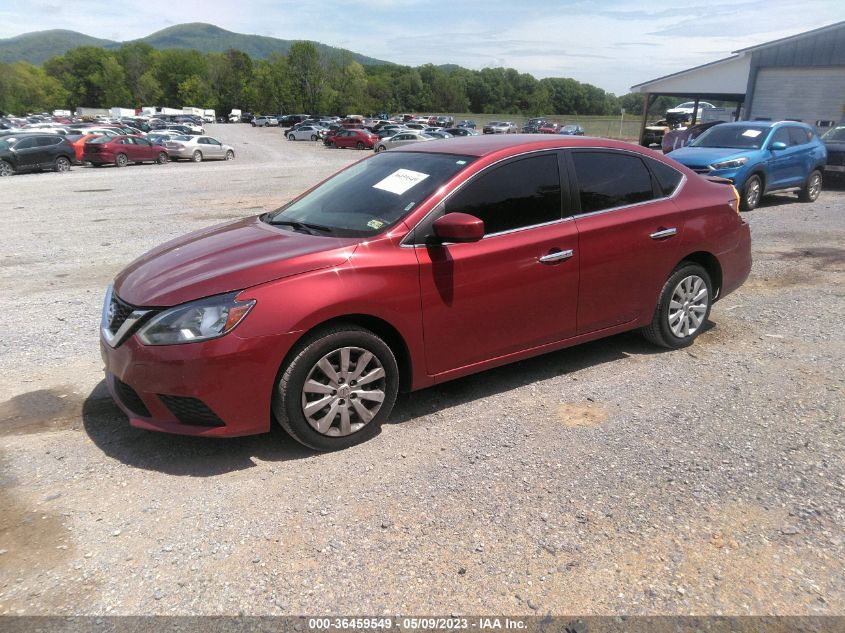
(608, 478)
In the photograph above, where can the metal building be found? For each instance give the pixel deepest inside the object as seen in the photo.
(799, 77)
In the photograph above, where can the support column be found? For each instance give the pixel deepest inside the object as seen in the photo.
(648, 100)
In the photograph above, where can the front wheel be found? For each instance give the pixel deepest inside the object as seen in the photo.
(752, 191)
(162, 158)
(811, 190)
(291, 137)
(338, 388)
(197, 156)
(121, 160)
(6, 169)
(683, 307)
(230, 155)
(359, 145)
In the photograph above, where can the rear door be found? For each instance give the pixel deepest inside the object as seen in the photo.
(629, 234)
(27, 153)
(515, 289)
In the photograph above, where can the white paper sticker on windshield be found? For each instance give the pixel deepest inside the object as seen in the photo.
(752, 133)
(400, 181)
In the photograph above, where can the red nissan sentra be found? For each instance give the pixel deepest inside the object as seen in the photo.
(410, 268)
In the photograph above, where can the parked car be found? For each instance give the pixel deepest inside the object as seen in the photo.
(549, 127)
(684, 111)
(122, 150)
(411, 268)
(532, 126)
(199, 148)
(402, 138)
(438, 133)
(306, 133)
(289, 120)
(359, 139)
(500, 127)
(681, 137)
(759, 157)
(834, 142)
(466, 123)
(461, 131)
(264, 121)
(572, 129)
(21, 152)
(78, 142)
(444, 121)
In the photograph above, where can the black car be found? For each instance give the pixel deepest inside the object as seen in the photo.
(834, 141)
(466, 123)
(532, 126)
(289, 120)
(247, 117)
(460, 131)
(25, 152)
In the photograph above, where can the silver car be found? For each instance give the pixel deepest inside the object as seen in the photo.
(500, 127)
(198, 148)
(403, 138)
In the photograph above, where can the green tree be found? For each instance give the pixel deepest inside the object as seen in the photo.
(28, 88)
(307, 75)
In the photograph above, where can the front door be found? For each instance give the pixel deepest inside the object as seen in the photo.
(515, 289)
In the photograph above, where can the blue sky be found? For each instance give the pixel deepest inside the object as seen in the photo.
(612, 44)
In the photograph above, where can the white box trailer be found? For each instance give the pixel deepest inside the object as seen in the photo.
(119, 113)
(193, 111)
(92, 113)
(61, 112)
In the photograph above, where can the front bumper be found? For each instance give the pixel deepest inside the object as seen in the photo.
(217, 388)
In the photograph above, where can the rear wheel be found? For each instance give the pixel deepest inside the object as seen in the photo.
(197, 156)
(62, 164)
(313, 137)
(121, 160)
(162, 158)
(752, 191)
(337, 390)
(380, 148)
(230, 155)
(683, 307)
(812, 189)
(6, 168)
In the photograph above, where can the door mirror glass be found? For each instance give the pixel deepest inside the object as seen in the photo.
(458, 227)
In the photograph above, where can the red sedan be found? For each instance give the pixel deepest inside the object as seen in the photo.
(549, 128)
(122, 150)
(359, 139)
(411, 268)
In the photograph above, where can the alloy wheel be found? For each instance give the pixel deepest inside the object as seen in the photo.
(752, 193)
(688, 306)
(343, 391)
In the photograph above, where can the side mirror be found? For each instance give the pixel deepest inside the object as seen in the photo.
(777, 145)
(458, 227)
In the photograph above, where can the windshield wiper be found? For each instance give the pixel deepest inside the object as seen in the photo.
(306, 227)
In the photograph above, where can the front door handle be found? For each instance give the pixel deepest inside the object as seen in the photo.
(556, 256)
(663, 233)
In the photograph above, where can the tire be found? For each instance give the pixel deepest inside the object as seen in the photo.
(291, 137)
(359, 145)
(62, 164)
(336, 426)
(197, 156)
(230, 155)
(121, 161)
(6, 169)
(811, 190)
(380, 148)
(752, 192)
(266, 125)
(162, 158)
(253, 124)
(313, 137)
(683, 307)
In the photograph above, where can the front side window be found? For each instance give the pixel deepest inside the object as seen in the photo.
(518, 194)
(799, 135)
(611, 179)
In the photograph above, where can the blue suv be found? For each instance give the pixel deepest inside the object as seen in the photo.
(759, 157)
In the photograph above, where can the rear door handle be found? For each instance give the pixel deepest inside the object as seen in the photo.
(663, 233)
(556, 256)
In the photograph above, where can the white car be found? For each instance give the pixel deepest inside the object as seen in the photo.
(685, 110)
(402, 138)
(307, 133)
(264, 121)
(198, 148)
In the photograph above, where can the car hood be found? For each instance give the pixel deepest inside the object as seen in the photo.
(224, 258)
(706, 155)
(836, 146)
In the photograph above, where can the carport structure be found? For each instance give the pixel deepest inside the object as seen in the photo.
(801, 77)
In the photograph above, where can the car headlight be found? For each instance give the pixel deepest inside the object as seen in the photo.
(196, 321)
(730, 164)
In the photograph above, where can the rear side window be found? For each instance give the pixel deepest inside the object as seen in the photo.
(47, 141)
(518, 194)
(668, 179)
(611, 179)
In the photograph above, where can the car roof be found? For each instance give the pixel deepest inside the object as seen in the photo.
(484, 145)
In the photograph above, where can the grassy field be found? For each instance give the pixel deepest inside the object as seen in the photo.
(604, 126)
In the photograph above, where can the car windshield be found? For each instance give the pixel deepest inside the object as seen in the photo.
(370, 196)
(835, 134)
(733, 136)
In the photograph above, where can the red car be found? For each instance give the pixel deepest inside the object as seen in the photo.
(411, 268)
(359, 139)
(122, 150)
(549, 128)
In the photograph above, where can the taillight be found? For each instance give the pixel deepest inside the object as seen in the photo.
(734, 204)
